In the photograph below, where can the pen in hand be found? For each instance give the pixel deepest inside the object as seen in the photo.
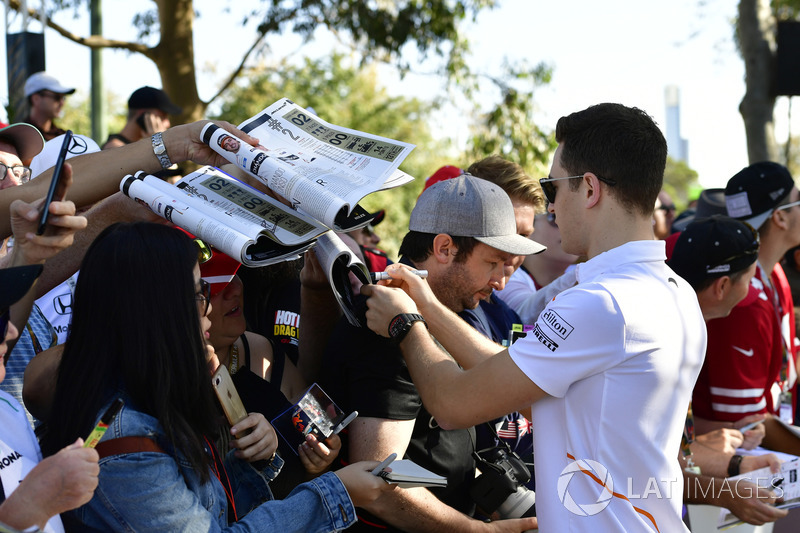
(101, 427)
(379, 276)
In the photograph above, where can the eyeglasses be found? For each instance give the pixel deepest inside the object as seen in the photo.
(204, 252)
(58, 97)
(667, 208)
(550, 190)
(203, 296)
(23, 174)
(4, 318)
(787, 206)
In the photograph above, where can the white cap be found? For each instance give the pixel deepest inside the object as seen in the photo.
(80, 145)
(42, 81)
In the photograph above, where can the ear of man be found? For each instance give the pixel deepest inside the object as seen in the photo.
(444, 249)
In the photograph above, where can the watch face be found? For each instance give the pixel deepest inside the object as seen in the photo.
(397, 326)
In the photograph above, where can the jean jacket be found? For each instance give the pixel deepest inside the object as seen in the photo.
(151, 491)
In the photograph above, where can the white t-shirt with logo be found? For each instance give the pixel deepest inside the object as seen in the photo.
(56, 306)
(618, 355)
(19, 451)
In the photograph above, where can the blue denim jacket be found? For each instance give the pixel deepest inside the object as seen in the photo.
(150, 491)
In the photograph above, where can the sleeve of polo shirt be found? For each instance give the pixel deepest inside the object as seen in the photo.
(579, 334)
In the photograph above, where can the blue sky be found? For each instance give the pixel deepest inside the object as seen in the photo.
(616, 50)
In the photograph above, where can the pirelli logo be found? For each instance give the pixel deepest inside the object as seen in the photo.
(544, 339)
(554, 321)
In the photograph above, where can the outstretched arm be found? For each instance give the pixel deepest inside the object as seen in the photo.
(97, 175)
(456, 398)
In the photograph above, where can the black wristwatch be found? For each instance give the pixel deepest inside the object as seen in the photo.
(401, 325)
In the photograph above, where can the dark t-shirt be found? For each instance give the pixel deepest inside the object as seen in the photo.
(366, 372)
(494, 319)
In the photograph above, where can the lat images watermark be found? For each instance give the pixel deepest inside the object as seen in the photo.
(583, 467)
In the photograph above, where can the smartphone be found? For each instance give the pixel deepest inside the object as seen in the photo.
(140, 122)
(58, 189)
(229, 398)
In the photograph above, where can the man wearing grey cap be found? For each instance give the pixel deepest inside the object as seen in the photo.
(461, 231)
(750, 361)
(610, 364)
(46, 97)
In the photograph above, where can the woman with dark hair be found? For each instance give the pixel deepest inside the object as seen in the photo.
(138, 333)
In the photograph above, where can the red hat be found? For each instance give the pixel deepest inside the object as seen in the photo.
(219, 270)
(445, 173)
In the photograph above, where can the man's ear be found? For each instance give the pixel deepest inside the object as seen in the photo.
(721, 286)
(779, 218)
(444, 249)
(593, 191)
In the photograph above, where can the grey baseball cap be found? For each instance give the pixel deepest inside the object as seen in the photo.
(467, 206)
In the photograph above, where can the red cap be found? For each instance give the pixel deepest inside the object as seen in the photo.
(445, 173)
(217, 271)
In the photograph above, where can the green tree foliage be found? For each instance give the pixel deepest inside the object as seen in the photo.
(509, 128)
(680, 182)
(377, 28)
(342, 93)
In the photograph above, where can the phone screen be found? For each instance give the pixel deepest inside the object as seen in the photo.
(56, 184)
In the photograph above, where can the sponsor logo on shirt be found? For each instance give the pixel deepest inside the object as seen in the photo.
(544, 339)
(554, 321)
(748, 353)
(9, 459)
(287, 324)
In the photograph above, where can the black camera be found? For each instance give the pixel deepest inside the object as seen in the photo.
(501, 486)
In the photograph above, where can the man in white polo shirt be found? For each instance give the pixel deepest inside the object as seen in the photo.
(610, 365)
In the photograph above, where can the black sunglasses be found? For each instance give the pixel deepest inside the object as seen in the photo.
(550, 190)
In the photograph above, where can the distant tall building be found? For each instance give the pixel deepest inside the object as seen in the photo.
(678, 147)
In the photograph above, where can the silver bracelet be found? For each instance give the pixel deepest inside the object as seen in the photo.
(160, 150)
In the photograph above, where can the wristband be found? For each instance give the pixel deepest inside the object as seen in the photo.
(160, 150)
(734, 465)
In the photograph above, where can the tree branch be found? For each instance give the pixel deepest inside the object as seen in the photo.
(93, 41)
(238, 70)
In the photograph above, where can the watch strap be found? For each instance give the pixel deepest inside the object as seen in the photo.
(160, 150)
(401, 324)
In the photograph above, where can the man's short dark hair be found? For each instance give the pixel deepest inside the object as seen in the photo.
(618, 143)
(418, 246)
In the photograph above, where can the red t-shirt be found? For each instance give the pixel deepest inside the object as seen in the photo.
(741, 372)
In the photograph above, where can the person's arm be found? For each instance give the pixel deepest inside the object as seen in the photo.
(98, 175)
(39, 384)
(745, 500)
(456, 398)
(115, 208)
(415, 509)
(59, 483)
(467, 346)
(319, 314)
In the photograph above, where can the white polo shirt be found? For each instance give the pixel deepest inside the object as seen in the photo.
(619, 355)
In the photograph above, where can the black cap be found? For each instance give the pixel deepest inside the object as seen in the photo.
(714, 247)
(15, 282)
(152, 98)
(754, 193)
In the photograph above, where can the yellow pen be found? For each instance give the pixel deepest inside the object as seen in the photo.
(101, 427)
